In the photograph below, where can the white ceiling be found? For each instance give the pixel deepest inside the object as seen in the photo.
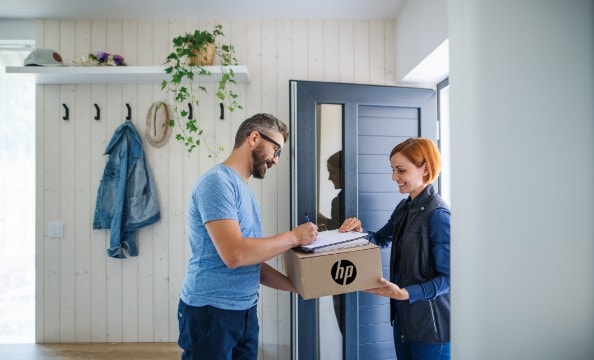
(200, 9)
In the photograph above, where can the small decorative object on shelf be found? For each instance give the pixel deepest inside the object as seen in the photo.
(100, 58)
(186, 68)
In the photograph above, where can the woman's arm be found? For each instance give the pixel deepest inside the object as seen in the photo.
(439, 238)
(383, 237)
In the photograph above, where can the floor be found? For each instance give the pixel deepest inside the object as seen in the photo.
(92, 351)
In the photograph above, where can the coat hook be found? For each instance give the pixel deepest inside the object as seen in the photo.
(129, 117)
(67, 112)
(98, 111)
(190, 113)
(222, 111)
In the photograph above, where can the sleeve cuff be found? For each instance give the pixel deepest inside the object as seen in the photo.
(415, 292)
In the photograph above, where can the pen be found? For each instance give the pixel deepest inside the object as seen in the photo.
(306, 217)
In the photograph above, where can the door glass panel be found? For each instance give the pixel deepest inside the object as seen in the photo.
(329, 217)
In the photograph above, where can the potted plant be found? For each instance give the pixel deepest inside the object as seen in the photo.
(187, 64)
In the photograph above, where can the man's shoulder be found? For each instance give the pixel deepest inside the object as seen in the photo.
(217, 179)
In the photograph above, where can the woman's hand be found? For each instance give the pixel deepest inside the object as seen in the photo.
(351, 224)
(390, 290)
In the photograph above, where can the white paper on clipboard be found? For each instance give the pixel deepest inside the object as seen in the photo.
(331, 238)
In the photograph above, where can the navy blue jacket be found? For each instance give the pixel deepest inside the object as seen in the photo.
(420, 262)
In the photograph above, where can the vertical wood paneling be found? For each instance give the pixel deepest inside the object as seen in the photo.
(315, 49)
(254, 100)
(222, 129)
(347, 49)
(83, 193)
(66, 214)
(331, 51)
(163, 176)
(361, 39)
(99, 238)
(115, 114)
(376, 53)
(161, 316)
(130, 284)
(146, 236)
(284, 74)
(269, 205)
(300, 50)
(130, 294)
(51, 279)
(82, 214)
(40, 207)
(176, 215)
(67, 188)
(51, 117)
(82, 295)
(390, 51)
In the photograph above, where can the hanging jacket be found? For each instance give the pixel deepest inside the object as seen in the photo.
(126, 199)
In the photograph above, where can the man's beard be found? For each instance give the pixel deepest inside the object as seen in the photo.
(260, 164)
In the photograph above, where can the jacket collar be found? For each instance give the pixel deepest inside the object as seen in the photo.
(421, 200)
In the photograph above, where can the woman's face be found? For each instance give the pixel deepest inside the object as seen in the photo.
(408, 176)
(334, 176)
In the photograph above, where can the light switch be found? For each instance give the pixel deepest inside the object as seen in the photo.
(55, 229)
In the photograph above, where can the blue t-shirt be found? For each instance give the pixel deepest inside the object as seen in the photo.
(220, 194)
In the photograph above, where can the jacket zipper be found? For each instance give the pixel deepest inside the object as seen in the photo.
(433, 316)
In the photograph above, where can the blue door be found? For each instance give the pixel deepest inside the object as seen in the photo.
(361, 124)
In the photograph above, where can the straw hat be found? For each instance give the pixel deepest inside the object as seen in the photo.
(158, 131)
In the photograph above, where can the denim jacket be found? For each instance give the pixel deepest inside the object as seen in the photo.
(126, 199)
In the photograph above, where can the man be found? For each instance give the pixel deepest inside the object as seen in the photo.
(217, 311)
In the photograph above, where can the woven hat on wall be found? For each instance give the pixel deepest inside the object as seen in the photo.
(158, 131)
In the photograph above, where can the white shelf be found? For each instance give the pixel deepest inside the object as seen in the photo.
(113, 74)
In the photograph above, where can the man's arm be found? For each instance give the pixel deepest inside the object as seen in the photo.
(236, 250)
(272, 278)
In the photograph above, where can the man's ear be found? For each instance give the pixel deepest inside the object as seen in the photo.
(252, 138)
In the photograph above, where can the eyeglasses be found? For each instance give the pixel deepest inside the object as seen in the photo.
(279, 148)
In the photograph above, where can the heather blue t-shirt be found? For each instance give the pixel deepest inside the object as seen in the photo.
(220, 194)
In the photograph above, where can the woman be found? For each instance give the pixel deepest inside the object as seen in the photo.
(334, 166)
(419, 229)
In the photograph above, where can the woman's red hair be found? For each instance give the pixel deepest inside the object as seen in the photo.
(421, 151)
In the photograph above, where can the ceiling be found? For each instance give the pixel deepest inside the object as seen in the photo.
(200, 9)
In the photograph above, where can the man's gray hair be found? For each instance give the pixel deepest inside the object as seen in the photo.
(264, 123)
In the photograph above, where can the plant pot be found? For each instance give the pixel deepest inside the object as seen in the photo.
(204, 57)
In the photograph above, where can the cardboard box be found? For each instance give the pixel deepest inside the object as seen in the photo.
(334, 272)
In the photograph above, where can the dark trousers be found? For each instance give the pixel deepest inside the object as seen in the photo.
(407, 350)
(210, 333)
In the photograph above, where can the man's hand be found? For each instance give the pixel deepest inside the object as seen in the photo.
(305, 233)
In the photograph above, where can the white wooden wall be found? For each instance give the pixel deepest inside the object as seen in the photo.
(84, 296)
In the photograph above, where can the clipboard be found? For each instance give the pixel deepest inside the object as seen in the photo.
(333, 239)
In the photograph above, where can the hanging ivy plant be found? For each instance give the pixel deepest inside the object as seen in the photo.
(187, 67)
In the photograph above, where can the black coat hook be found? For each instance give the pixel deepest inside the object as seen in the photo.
(222, 111)
(129, 117)
(190, 113)
(67, 112)
(98, 112)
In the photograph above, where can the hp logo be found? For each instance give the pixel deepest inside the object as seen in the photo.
(343, 272)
